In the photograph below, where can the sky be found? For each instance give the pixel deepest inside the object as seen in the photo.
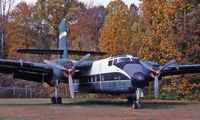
(94, 2)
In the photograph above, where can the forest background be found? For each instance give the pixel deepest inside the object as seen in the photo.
(157, 30)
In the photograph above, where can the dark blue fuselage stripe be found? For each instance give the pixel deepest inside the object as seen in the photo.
(103, 77)
(111, 87)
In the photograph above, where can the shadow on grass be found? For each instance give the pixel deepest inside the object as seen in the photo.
(110, 103)
(101, 103)
(17, 105)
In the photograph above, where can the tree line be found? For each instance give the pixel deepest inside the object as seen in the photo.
(157, 30)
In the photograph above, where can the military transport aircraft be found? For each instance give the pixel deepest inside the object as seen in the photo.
(119, 74)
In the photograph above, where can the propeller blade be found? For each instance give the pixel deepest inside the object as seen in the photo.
(54, 64)
(81, 60)
(156, 86)
(147, 66)
(166, 65)
(71, 88)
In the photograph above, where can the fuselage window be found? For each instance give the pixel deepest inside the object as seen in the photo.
(95, 80)
(110, 63)
(95, 77)
(102, 77)
(98, 77)
(91, 79)
(124, 60)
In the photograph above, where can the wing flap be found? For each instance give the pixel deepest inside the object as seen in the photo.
(36, 77)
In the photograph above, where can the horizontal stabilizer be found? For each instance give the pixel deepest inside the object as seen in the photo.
(78, 52)
(39, 51)
(60, 52)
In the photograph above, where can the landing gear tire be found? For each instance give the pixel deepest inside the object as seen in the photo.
(140, 106)
(59, 100)
(137, 106)
(53, 100)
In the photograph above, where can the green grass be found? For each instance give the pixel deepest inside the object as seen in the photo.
(3, 117)
(89, 102)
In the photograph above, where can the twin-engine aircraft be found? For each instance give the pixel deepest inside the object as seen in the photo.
(114, 75)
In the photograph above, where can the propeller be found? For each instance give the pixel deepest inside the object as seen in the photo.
(70, 79)
(157, 74)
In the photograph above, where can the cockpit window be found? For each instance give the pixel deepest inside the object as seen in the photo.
(136, 61)
(110, 63)
(115, 62)
(124, 60)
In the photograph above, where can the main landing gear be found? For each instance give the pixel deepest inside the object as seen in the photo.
(135, 99)
(56, 99)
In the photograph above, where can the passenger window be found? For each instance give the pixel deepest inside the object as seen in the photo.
(102, 77)
(110, 63)
(95, 77)
(91, 78)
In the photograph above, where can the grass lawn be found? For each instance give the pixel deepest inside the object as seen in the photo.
(96, 109)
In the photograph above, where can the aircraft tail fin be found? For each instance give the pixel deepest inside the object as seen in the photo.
(63, 38)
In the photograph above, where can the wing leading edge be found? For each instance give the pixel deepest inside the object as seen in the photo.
(27, 70)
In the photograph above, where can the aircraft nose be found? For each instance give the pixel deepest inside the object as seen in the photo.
(138, 79)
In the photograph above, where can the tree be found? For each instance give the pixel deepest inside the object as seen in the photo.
(5, 8)
(187, 41)
(117, 5)
(137, 29)
(137, 37)
(115, 35)
(84, 33)
(187, 37)
(162, 19)
(51, 12)
(20, 31)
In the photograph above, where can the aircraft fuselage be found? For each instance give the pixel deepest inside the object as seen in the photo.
(114, 75)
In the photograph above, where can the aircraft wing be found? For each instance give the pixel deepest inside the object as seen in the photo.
(27, 70)
(180, 69)
(85, 64)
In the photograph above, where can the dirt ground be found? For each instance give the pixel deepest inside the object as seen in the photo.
(40, 109)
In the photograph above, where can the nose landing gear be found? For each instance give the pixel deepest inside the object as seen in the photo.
(137, 103)
(56, 99)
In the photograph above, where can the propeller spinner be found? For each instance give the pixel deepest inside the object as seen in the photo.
(69, 70)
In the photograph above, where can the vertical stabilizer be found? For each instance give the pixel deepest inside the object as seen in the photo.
(63, 38)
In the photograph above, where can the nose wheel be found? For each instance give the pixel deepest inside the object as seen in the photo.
(56, 100)
(137, 103)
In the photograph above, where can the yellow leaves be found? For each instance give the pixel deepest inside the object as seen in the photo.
(115, 35)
